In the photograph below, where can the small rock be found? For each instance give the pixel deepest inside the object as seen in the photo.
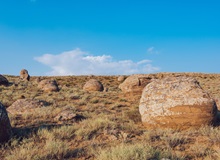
(93, 85)
(135, 83)
(67, 115)
(48, 85)
(121, 78)
(105, 90)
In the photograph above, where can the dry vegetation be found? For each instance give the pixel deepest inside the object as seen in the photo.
(112, 129)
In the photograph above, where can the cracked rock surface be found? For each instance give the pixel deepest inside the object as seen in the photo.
(176, 102)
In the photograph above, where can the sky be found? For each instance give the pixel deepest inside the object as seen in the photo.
(109, 37)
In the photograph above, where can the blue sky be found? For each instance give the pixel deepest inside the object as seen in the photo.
(74, 37)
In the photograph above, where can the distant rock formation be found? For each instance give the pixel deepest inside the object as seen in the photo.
(93, 85)
(3, 80)
(176, 102)
(24, 75)
(5, 125)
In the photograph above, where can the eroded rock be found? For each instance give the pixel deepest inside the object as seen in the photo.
(176, 102)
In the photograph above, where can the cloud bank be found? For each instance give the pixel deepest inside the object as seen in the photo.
(77, 62)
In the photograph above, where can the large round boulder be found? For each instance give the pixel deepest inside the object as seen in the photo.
(5, 125)
(176, 102)
(48, 85)
(93, 85)
(135, 83)
(24, 75)
(3, 80)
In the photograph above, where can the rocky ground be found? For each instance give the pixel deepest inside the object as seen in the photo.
(71, 123)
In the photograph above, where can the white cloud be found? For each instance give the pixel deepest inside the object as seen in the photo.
(77, 62)
(152, 50)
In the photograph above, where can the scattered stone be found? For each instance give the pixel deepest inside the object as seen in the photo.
(135, 83)
(3, 80)
(105, 89)
(68, 115)
(176, 102)
(25, 105)
(121, 78)
(5, 125)
(38, 79)
(48, 85)
(24, 75)
(93, 85)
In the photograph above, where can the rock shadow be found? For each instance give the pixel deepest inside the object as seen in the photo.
(25, 132)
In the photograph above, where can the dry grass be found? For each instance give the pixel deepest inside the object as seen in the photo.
(49, 148)
(92, 127)
(138, 151)
(112, 129)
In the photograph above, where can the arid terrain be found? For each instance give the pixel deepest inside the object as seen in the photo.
(106, 126)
